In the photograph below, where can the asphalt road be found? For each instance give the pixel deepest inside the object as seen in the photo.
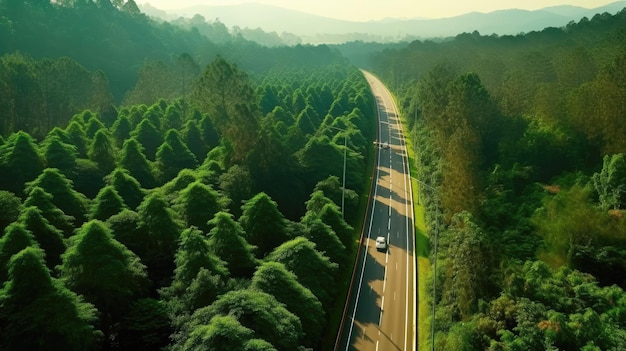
(381, 310)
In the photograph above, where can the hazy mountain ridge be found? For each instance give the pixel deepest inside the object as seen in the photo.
(316, 29)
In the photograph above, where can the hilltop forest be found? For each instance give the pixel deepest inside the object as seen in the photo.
(161, 191)
(522, 139)
(175, 186)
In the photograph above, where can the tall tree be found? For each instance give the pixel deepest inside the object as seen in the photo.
(121, 130)
(49, 238)
(22, 163)
(15, 238)
(104, 271)
(226, 240)
(198, 203)
(10, 208)
(192, 137)
(263, 223)
(64, 196)
(102, 151)
(314, 270)
(126, 186)
(226, 94)
(149, 137)
(134, 160)
(107, 203)
(274, 279)
(162, 230)
(236, 183)
(59, 155)
(173, 156)
(39, 198)
(258, 311)
(77, 137)
(199, 276)
(37, 311)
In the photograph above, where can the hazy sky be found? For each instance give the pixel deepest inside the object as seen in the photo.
(363, 10)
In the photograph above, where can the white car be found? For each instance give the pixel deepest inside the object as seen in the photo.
(381, 243)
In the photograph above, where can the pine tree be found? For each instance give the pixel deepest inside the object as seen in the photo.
(64, 196)
(127, 186)
(49, 238)
(106, 204)
(59, 155)
(173, 156)
(121, 130)
(227, 242)
(149, 137)
(16, 238)
(37, 311)
(133, 160)
(263, 224)
(22, 163)
(104, 271)
(198, 203)
(102, 151)
(39, 198)
(162, 230)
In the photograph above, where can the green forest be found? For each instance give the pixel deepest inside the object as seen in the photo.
(162, 191)
(523, 140)
(176, 186)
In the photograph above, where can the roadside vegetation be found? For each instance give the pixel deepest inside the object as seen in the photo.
(522, 138)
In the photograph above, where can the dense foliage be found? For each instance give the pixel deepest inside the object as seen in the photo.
(138, 225)
(178, 219)
(522, 139)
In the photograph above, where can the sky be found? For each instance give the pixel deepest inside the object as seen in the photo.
(364, 10)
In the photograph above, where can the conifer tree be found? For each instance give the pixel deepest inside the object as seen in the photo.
(64, 196)
(193, 139)
(37, 311)
(10, 208)
(264, 225)
(162, 230)
(15, 238)
(196, 267)
(149, 137)
(78, 138)
(102, 151)
(274, 279)
(22, 162)
(126, 186)
(313, 269)
(173, 156)
(133, 160)
(121, 130)
(93, 126)
(104, 271)
(59, 155)
(49, 238)
(198, 203)
(39, 198)
(106, 204)
(227, 242)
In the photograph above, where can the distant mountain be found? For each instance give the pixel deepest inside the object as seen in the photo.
(317, 29)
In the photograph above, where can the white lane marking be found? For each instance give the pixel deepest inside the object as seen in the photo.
(406, 204)
(384, 280)
(369, 233)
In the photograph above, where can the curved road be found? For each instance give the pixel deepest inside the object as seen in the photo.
(381, 308)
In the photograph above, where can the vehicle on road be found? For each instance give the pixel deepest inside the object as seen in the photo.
(381, 243)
